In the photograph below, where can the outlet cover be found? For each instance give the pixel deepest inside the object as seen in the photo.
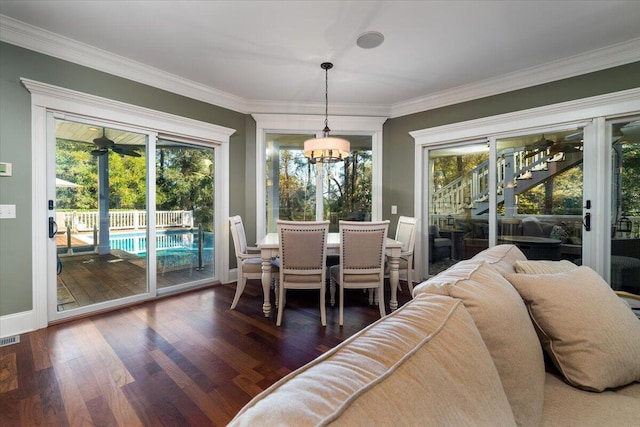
(7, 211)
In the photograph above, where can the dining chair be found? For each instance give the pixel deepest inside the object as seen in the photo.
(248, 258)
(406, 233)
(303, 251)
(362, 250)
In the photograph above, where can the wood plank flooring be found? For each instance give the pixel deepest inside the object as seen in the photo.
(185, 360)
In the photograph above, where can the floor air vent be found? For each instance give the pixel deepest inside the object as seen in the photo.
(9, 340)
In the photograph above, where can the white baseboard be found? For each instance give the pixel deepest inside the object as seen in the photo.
(17, 323)
(233, 275)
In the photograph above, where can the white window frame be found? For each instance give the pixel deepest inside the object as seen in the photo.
(312, 124)
(594, 109)
(47, 98)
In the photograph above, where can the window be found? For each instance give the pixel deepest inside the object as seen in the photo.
(288, 187)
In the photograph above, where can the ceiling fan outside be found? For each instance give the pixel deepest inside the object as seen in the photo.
(104, 144)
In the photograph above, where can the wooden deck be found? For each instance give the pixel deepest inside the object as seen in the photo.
(93, 278)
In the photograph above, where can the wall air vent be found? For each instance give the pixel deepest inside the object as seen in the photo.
(9, 340)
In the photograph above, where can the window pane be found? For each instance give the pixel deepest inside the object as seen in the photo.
(347, 185)
(184, 213)
(539, 196)
(458, 205)
(625, 212)
(290, 180)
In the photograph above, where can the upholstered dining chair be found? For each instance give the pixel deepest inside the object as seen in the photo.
(248, 258)
(406, 233)
(362, 248)
(303, 251)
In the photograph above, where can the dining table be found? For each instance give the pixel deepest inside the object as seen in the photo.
(270, 247)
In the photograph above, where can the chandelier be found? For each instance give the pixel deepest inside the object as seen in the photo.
(327, 149)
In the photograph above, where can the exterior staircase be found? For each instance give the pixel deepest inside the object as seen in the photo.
(518, 172)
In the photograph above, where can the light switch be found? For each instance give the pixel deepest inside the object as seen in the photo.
(394, 210)
(6, 169)
(7, 211)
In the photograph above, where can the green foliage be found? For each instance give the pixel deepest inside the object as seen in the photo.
(630, 179)
(184, 180)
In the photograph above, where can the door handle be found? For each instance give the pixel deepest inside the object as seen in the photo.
(587, 221)
(53, 228)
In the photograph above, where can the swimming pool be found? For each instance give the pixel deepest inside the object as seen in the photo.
(179, 244)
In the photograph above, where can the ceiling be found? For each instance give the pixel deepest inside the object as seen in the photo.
(264, 56)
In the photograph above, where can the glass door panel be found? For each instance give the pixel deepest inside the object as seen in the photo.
(539, 194)
(625, 209)
(101, 215)
(458, 207)
(184, 213)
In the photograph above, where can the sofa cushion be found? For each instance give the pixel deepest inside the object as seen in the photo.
(425, 362)
(565, 405)
(544, 267)
(504, 324)
(590, 334)
(501, 257)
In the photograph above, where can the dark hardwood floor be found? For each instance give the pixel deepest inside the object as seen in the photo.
(182, 360)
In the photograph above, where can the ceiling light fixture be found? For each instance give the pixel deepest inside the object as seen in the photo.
(327, 149)
(370, 39)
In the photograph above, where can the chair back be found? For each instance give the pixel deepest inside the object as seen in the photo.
(237, 232)
(303, 248)
(406, 233)
(362, 247)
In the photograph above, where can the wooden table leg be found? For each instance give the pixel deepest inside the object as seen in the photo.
(266, 285)
(394, 277)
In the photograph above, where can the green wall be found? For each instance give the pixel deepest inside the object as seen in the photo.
(15, 147)
(399, 149)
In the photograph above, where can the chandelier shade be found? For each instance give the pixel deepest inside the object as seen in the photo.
(327, 149)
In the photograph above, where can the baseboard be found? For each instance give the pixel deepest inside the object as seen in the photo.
(17, 323)
(233, 275)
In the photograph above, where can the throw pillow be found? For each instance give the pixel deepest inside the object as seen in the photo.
(505, 326)
(544, 267)
(589, 333)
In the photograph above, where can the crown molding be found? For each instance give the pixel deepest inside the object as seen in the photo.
(30, 37)
(34, 38)
(595, 60)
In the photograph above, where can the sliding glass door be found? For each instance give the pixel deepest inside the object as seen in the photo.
(624, 262)
(457, 225)
(539, 193)
(100, 215)
(185, 217)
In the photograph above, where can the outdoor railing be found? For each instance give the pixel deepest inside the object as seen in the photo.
(80, 221)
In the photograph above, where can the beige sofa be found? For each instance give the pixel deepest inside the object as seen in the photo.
(468, 350)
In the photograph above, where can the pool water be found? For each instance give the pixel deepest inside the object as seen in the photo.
(174, 248)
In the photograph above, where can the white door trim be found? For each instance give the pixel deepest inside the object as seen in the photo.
(44, 98)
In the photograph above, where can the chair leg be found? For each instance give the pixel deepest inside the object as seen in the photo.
(280, 305)
(409, 281)
(239, 290)
(371, 296)
(323, 311)
(276, 289)
(381, 301)
(341, 304)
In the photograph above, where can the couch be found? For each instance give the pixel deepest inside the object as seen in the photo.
(497, 340)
